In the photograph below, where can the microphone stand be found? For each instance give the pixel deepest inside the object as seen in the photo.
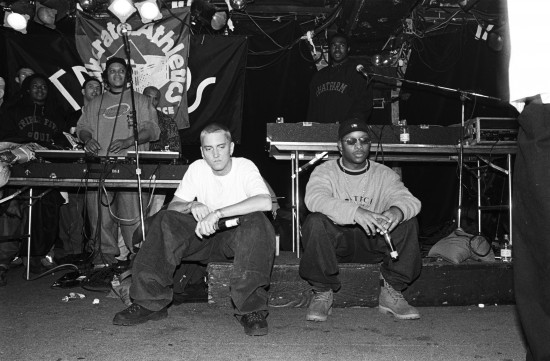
(463, 96)
(133, 119)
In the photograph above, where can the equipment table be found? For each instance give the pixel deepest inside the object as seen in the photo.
(305, 141)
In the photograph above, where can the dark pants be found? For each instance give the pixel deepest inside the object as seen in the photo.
(531, 209)
(71, 224)
(327, 244)
(170, 239)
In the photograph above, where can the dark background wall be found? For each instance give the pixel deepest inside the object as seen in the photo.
(276, 85)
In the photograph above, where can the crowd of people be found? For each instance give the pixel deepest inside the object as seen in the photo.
(353, 200)
(32, 119)
(354, 204)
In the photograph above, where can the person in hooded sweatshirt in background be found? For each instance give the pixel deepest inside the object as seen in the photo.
(32, 120)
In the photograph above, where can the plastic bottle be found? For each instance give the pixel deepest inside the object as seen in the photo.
(506, 251)
(404, 136)
(224, 224)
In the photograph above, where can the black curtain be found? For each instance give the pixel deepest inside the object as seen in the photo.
(459, 61)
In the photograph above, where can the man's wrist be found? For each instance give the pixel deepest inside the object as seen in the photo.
(218, 213)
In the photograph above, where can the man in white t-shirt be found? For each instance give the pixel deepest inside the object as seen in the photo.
(215, 187)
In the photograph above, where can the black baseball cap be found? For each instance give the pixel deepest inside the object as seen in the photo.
(352, 125)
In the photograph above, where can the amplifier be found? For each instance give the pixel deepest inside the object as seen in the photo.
(491, 130)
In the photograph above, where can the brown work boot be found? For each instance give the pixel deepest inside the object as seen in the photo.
(320, 306)
(392, 302)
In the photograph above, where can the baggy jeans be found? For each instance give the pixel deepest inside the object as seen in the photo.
(170, 239)
(327, 244)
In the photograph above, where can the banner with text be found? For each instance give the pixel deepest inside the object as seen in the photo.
(158, 54)
(216, 76)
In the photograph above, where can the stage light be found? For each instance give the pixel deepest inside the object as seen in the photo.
(45, 15)
(238, 4)
(205, 14)
(219, 20)
(15, 20)
(122, 9)
(148, 11)
(88, 5)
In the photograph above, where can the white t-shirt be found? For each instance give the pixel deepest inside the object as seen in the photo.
(200, 183)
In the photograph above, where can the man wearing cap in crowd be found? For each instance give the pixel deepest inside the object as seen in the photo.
(106, 130)
(354, 201)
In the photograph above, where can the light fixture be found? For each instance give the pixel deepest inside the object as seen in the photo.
(15, 20)
(206, 15)
(122, 9)
(45, 15)
(88, 5)
(219, 19)
(238, 4)
(148, 11)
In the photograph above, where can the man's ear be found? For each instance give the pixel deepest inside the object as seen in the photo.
(339, 145)
(231, 148)
(202, 153)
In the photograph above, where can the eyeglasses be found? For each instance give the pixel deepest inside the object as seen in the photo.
(362, 141)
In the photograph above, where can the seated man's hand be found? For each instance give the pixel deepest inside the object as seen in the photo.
(370, 221)
(394, 216)
(199, 211)
(92, 146)
(207, 225)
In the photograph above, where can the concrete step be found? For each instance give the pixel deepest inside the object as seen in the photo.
(440, 284)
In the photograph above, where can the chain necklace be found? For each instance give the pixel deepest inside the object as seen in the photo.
(348, 184)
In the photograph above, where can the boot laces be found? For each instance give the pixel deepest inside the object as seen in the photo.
(134, 308)
(321, 296)
(396, 295)
(254, 317)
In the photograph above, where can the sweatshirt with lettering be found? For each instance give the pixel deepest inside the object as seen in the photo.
(338, 92)
(338, 192)
(26, 122)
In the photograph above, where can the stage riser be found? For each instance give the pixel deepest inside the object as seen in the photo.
(440, 284)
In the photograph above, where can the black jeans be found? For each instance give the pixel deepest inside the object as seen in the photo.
(170, 238)
(327, 244)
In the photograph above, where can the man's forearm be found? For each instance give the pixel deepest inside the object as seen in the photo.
(180, 206)
(258, 203)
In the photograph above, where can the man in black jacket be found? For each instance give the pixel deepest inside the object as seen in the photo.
(338, 92)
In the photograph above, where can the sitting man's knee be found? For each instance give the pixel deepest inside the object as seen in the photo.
(316, 218)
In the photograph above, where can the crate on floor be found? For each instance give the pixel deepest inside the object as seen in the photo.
(439, 284)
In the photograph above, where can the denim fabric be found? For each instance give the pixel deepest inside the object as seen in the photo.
(327, 244)
(170, 239)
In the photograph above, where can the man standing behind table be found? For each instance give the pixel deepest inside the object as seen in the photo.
(354, 201)
(169, 140)
(215, 187)
(338, 92)
(105, 128)
(71, 214)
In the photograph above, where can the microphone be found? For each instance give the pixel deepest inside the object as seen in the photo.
(361, 69)
(393, 253)
(310, 163)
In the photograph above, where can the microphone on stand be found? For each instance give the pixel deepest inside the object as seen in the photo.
(361, 69)
(310, 163)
